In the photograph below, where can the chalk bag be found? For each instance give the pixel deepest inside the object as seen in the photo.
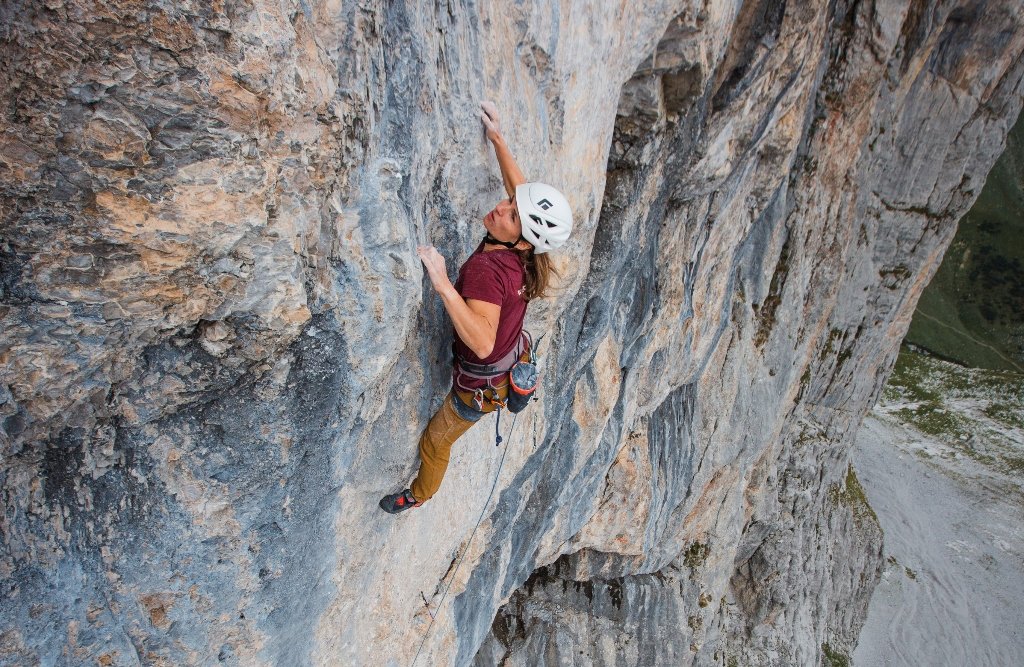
(523, 383)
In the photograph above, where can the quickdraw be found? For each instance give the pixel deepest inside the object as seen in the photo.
(479, 396)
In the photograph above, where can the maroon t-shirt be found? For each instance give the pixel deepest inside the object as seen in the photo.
(495, 277)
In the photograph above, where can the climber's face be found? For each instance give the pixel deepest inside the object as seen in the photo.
(503, 222)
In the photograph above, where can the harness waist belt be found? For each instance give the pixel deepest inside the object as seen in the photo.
(499, 367)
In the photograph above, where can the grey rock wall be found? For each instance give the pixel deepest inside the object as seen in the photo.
(219, 348)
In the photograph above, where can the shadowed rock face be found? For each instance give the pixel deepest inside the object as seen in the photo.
(219, 348)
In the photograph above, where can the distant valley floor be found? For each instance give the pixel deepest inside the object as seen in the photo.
(941, 468)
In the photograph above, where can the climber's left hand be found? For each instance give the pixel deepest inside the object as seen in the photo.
(489, 117)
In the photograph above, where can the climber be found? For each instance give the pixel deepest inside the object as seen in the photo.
(487, 305)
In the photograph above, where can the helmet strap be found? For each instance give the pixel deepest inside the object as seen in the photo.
(508, 244)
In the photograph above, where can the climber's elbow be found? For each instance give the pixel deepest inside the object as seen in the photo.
(483, 349)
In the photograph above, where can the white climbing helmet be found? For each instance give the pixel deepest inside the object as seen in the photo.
(545, 215)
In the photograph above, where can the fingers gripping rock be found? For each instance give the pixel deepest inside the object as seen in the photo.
(489, 116)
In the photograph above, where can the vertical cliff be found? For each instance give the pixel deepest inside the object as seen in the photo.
(218, 346)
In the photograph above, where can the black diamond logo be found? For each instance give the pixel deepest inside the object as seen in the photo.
(545, 204)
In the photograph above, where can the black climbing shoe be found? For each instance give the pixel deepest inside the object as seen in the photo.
(398, 502)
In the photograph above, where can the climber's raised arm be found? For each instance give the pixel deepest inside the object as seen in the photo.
(510, 172)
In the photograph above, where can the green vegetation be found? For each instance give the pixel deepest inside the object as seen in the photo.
(1006, 414)
(973, 310)
(834, 658)
(1015, 464)
(696, 555)
(935, 421)
(851, 495)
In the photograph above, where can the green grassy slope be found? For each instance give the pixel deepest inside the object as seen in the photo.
(973, 310)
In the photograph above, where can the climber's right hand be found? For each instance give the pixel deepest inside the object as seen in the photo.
(434, 263)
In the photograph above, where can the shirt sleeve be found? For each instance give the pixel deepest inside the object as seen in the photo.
(482, 281)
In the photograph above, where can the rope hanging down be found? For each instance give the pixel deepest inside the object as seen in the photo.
(483, 511)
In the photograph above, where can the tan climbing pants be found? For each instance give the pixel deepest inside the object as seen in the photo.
(445, 427)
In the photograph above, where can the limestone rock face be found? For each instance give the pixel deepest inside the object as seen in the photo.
(219, 347)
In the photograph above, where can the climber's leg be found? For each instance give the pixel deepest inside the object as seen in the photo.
(444, 428)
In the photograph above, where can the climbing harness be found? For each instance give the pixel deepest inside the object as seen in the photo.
(518, 366)
(458, 564)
